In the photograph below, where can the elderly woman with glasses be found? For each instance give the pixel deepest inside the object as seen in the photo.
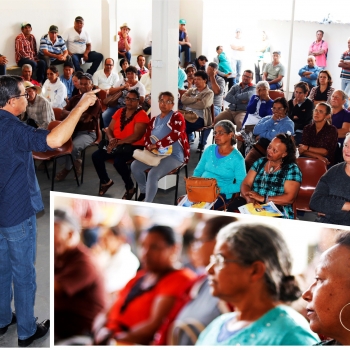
(251, 269)
(165, 133)
(332, 193)
(223, 162)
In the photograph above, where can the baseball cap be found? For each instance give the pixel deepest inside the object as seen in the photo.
(238, 30)
(23, 24)
(62, 216)
(191, 66)
(278, 52)
(87, 76)
(182, 21)
(53, 28)
(79, 18)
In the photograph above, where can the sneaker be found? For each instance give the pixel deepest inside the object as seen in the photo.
(3, 330)
(62, 174)
(41, 329)
(77, 165)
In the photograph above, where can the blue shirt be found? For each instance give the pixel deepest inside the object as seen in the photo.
(57, 48)
(20, 196)
(68, 84)
(181, 77)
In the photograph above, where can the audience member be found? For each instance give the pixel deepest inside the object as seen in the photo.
(238, 98)
(26, 52)
(124, 42)
(263, 56)
(310, 72)
(146, 81)
(136, 316)
(184, 42)
(238, 48)
(165, 131)
(76, 82)
(53, 89)
(79, 288)
(79, 47)
(27, 71)
(223, 162)
(140, 66)
(147, 50)
(328, 297)
(3, 62)
(251, 269)
(323, 91)
(319, 49)
(345, 68)
(106, 78)
(86, 130)
(53, 49)
(126, 130)
(202, 308)
(300, 110)
(319, 139)
(274, 72)
(190, 70)
(332, 195)
(267, 128)
(38, 109)
(197, 103)
(123, 63)
(67, 78)
(200, 63)
(181, 77)
(225, 66)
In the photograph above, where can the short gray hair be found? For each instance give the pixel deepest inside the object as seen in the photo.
(261, 84)
(344, 95)
(27, 66)
(228, 126)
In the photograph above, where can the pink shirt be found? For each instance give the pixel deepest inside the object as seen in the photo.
(121, 42)
(321, 60)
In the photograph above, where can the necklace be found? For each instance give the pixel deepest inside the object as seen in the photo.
(272, 169)
(124, 120)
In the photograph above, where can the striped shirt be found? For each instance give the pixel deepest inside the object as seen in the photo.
(56, 48)
(345, 57)
(25, 47)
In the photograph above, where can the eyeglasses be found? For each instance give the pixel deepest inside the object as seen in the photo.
(219, 133)
(247, 76)
(166, 102)
(131, 99)
(18, 96)
(218, 260)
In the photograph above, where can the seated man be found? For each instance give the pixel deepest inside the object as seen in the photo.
(85, 131)
(274, 72)
(181, 77)
(124, 42)
(146, 80)
(39, 112)
(148, 44)
(53, 48)
(309, 73)
(79, 47)
(140, 66)
(106, 78)
(188, 83)
(184, 42)
(238, 97)
(200, 63)
(3, 62)
(26, 52)
(67, 78)
(27, 74)
(79, 286)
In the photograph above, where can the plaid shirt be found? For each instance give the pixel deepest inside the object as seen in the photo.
(40, 111)
(273, 184)
(25, 47)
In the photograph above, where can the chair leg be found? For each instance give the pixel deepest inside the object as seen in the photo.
(177, 186)
(53, 174)
(186, 171)
(82, 165)
(46, 169)
(75, 172)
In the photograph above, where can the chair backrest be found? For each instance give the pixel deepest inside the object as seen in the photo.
(275, 93)
(57, 111)
(212, 114)
(312, 169)
(65, 148)
(102, 94)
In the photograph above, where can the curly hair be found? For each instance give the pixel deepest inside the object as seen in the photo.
(288, 141)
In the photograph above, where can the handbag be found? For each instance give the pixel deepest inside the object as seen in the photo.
(189, 116)
(112, 100)
(200, 189)
(147, 157)
(120, 149)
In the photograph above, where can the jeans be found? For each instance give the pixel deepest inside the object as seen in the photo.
(238, 64)
(205, 133)
(108, 114)
(94, 57)
(2, 69)
(187, 50)
(40, 68)
(127, 55)
(148, 50)
(190, 127)
(275, 86)
(17, 257)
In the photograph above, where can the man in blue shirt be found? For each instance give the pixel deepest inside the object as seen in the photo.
(67, 78)
(20, 200)
(184, 42)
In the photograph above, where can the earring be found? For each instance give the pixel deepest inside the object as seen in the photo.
(341, 322)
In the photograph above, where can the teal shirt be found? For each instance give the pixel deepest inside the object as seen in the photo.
(279, 326)
(229, 171)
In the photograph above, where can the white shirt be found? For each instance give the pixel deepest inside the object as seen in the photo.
(102, 81)
(55, 93)
(236, 54)
(76, 42)
(148, 42)
(147, 82)
(141, 89)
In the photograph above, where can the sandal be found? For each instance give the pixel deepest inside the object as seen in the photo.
(129, 194)
(104, 188)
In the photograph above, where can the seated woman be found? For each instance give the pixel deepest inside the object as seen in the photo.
(324, 90)
(310, 72)
(124, 85)
(328, 307)
(332, 193)
(203, 307)
(76, 82)
(167, 129)
(259, 106)
(320, 138)
(123, 63)
(267, 128)
(127, 128)
(53, 89)
(223, 162)
(197, 103)
(251, 269)
(274, 178)
(300, 110)
(144, 303)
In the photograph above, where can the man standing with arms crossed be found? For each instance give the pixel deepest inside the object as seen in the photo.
(20, 200)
